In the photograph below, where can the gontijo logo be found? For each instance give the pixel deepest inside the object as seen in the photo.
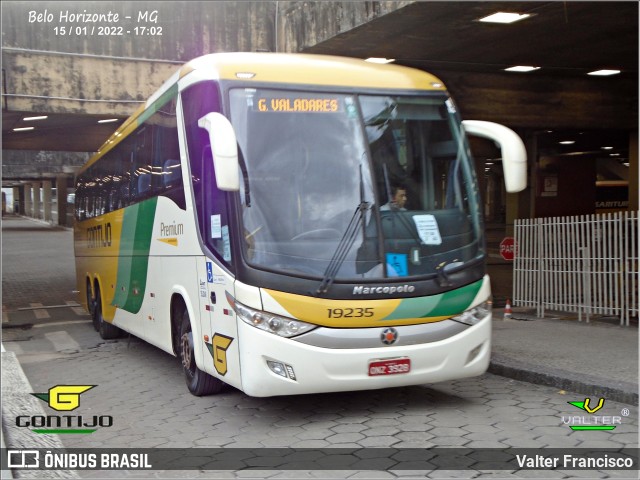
(63, 398)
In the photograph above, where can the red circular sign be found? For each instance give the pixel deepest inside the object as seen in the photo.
(507, 248)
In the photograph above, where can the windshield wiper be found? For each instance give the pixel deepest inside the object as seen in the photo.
(245, 176)
(346, 242)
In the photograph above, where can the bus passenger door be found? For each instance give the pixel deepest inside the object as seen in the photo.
(221, 357)
(215, 227)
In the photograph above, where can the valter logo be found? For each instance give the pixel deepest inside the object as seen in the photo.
(63, 398)
(591, 421)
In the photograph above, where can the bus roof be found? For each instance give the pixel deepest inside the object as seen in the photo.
(283, 68)
(311, 69)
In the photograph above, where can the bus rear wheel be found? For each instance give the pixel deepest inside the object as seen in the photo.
(91, 305)
(107, 331)
(199, 383)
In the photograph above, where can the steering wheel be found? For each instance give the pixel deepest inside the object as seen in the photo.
(320, 233)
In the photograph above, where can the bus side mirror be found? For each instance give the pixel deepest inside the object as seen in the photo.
(224, 149)
(514, 154)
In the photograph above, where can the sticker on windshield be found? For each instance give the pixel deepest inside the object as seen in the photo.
(397, 265)
(226, 250)
(216, 229)
(428, 230)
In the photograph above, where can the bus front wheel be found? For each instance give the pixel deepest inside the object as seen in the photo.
(199, 383)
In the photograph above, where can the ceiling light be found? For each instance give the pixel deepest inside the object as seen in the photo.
(504, 17)
(30, 119)
(380, 60)
(606, 148)
(23, 129)
(521, 68)
(567, 142)
(614, 154)
(108, 120)
(604, 73)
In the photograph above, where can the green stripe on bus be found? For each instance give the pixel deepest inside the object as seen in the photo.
(159, 103)
(442, 305)
(456, 301)
(135, 242)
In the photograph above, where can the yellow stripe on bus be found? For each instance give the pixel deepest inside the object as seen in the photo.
(344, 313)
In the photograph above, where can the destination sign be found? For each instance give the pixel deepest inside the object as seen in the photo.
(298, 105)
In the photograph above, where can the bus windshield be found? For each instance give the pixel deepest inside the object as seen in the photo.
(354, 187)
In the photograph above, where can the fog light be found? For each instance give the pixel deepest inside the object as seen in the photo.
(277, 368)
(473, 354)
(281, 369)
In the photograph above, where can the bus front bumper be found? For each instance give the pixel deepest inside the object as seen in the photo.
(272, 365)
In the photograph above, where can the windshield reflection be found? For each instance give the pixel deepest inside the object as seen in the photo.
(313, 159)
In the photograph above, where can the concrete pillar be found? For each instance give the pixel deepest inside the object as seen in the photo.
(46, 200)
(28, 205)
(37, 203)
(15, 208)
(61, 190)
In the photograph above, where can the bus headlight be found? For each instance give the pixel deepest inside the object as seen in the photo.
(282, 326)
(475, 314)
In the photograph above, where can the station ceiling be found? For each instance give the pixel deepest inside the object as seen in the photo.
(565, 39)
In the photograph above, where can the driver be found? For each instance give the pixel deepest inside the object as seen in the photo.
(398, 199)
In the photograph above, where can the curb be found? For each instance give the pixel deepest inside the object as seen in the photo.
(622, 392)
(17, 399)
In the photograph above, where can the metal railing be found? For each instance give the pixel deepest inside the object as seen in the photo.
(586, 264)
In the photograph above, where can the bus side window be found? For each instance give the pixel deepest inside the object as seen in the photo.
(210, 203)
(166, 154)
(144, 184)
(171, 174)
(215, 210)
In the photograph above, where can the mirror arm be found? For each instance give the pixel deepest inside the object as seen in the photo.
(224, 149)
(514, 153)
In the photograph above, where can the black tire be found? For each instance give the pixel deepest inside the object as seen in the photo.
(91, 306)
(107, 331)
(199, 383)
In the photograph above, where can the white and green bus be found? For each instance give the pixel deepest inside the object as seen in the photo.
(290, 224)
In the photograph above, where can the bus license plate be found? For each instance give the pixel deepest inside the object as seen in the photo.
(389, 367)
